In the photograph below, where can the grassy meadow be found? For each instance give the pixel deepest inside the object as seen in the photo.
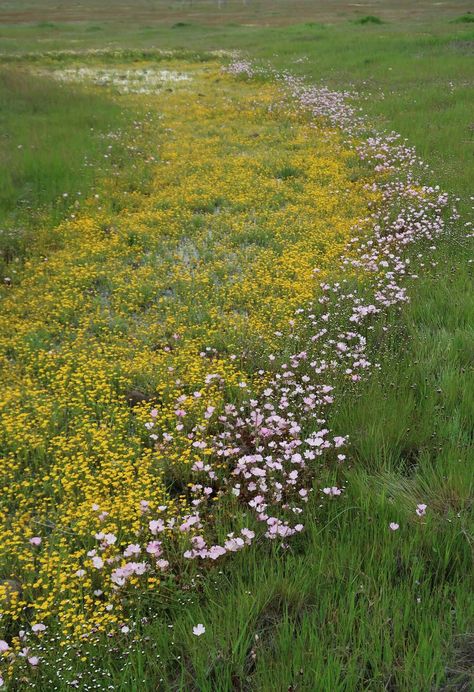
(161, 220)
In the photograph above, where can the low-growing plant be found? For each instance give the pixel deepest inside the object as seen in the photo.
(368, 19)
(467, 18)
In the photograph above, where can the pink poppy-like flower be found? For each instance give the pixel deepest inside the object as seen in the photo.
(132, 549)
(421, 509)
(36, 540)
(199, 629)
(332, 492)
(156, 526)
(38, 627)
(393, 526)
(154, 548)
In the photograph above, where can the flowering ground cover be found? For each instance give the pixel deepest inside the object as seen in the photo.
(181, 358)
(128, 346)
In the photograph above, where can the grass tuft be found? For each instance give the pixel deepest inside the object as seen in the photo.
(467, 18)
(368, 19)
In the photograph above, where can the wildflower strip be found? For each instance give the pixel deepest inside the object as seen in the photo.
(170, 366)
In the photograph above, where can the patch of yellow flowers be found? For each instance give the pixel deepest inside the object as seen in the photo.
(163, 298)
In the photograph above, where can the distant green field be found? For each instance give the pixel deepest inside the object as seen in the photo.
(342, 609)
(428, 52)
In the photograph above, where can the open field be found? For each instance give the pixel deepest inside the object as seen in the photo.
(236, 342)
(218, 12)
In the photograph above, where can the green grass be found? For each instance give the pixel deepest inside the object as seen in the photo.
(347, 610)
(467, 18)
(52, 146)
(350, 606)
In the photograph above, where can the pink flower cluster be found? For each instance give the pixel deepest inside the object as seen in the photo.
(274, 443)
(272, 447)
(231, 545)
(241, 67)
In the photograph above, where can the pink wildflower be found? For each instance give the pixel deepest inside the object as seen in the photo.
(156, 526)
(38, 627)
(154, 548)
(332, 491)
